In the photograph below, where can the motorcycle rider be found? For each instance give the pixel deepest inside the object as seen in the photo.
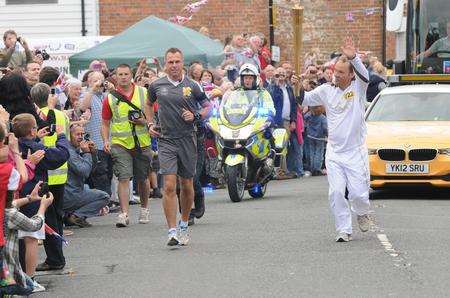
(245, 117)
(250, 80)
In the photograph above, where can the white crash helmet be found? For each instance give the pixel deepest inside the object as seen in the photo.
(249, 69)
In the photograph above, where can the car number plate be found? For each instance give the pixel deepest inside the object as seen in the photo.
(410, 168)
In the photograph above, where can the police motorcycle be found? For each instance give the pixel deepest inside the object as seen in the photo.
(249, 148)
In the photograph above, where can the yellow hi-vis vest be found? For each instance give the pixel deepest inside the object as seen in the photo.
(58, 176)
(121, 128)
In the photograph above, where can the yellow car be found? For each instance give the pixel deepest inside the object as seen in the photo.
(408, 136)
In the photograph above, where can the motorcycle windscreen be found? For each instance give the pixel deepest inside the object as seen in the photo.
(238, 106)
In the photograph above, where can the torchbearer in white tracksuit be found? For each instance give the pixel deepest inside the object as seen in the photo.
(346, 157)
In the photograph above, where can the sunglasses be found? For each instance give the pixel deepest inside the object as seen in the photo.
(280, 75)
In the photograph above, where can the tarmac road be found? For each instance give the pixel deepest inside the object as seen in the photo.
(279, 246)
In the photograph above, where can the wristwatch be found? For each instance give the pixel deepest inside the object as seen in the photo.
(197, 116)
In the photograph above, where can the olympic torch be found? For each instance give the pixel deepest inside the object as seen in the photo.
(297, 25)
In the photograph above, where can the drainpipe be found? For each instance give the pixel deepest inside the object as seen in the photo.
(383, 44)
(271, 27)
(83, 18)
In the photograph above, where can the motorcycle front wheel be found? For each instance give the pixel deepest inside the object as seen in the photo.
(235, 182)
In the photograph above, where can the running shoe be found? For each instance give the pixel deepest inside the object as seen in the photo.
(144, 216)
(122, 220)
(364, 222)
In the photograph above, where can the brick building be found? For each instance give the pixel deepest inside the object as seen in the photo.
(326, 23)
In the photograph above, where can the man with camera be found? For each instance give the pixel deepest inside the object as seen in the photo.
(124, 117)
(178, 99)
(80, 202)
(10, 56)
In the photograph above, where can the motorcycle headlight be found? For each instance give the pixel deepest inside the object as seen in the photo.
(444, 151)
(372, 151)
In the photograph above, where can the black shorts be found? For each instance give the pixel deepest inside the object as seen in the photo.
(155, 163)
(178, 156)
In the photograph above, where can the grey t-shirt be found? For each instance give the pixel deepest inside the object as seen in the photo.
(171, 100)
(442, 44)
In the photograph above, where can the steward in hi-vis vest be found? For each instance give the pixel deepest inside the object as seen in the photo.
(125, 136)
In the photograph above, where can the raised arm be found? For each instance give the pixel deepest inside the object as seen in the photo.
(28, 53)
(361, 72)
(19, 221)
(349, 50)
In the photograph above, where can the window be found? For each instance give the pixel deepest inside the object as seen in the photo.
(14, 2)
(432, 106)
(427, 26)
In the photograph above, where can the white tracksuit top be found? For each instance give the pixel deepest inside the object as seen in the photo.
(345, 110)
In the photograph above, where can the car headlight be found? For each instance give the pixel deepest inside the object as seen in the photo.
(445, 151)
(372, 151)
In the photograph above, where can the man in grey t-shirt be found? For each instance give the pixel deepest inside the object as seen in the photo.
(440, 45)
(178, 98)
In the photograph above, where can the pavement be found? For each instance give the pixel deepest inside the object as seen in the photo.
(279, 246)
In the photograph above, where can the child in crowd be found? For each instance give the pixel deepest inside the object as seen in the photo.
(25, 128)
(316, 132)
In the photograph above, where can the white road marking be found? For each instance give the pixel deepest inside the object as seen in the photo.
(387, 245)
(399, 258)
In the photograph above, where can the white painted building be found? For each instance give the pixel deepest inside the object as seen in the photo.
(49, 18)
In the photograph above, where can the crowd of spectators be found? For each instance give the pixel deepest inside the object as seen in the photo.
(56, 169)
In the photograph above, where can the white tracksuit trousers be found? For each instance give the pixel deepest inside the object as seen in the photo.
(348, 169)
